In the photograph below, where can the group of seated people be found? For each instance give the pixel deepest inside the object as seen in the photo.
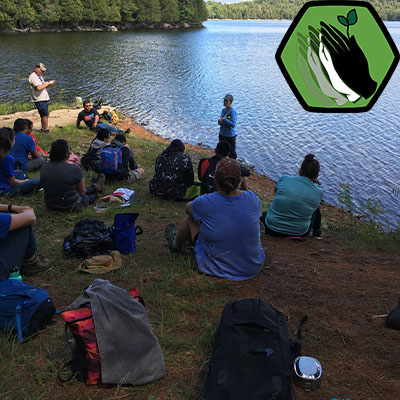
(222, 222)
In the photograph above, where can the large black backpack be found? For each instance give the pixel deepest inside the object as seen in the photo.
(89, 237)
(252, 354)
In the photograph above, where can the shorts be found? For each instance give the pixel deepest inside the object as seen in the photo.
(42, 107)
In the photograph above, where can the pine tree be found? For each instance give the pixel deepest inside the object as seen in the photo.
(169, 10)
(24, 15)
(185, 10)
(7, 11)
(88, 13)
(129, 10)
(71, 10)
(149, 11)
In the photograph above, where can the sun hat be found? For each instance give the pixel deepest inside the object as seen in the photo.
(228, 97)
(228, 168)
(40, 66)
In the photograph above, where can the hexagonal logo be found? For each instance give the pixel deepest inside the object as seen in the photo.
(337, 56)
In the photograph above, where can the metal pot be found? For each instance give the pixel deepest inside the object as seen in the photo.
(307, 372)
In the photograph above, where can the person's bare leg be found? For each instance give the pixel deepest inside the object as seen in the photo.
(187, 230)
(45, 122)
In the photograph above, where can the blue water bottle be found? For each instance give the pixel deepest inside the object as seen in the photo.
(14, 273)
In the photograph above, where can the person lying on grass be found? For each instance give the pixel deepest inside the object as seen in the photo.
(17, 241)
(224, 226)
(64, 184)
(12, 183)
(295, 209)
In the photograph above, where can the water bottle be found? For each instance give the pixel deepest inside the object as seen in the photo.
(14, 273)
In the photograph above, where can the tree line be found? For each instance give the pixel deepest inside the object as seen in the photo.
(388, 10)
(45, 14)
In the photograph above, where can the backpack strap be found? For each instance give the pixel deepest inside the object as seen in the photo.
(295, 346)
(19, 324)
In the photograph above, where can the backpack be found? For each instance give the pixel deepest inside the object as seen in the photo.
(252, 354)
(206, 174)
(89, 237)
(110, 158)
(138, 352)
(24, 308)
(110, 116)
(125, 232)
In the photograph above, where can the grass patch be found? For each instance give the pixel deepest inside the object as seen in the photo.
(13, 107)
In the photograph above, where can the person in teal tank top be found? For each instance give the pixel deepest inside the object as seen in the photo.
(295, 208)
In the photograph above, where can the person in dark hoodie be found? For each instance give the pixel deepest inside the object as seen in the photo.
(91, 159)
(129, 170)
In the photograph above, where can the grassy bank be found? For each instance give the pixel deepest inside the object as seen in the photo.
(13, 107)
(184, 307)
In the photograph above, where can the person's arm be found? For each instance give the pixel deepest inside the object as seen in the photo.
(80, 186)
(96, 120)
(188, 209)
(37, 154)
(132, 161)
(23, 216)
(12, 181)
(231, 123)
(45, 85)
(78, 123)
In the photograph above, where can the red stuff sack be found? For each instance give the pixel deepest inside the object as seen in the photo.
(86, 356)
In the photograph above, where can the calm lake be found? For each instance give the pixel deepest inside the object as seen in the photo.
(173, 82)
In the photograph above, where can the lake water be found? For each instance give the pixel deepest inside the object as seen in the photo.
(173, 83)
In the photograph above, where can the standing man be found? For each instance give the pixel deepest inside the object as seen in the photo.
(39, 94)
(227, 123)
(91, 118)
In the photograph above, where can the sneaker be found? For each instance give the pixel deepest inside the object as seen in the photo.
(100, 183)
(128, 131)
(35, 265)
(318, 234)
(170, 235)
(45, 130)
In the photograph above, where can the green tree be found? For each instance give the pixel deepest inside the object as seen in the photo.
(149, 11)
(114, 7)
(129, 10)
(169, 10)
(88, 13)
(185, 10)
(7, 11)
(24, 15)
(47, 12)
(71, 10)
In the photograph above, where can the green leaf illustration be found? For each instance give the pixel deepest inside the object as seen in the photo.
(352, 17)
(342, 20)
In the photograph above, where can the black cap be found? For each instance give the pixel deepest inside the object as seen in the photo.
(228, 97)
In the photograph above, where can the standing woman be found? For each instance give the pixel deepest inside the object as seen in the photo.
(295, 208)
(12, 183)
(227, 123)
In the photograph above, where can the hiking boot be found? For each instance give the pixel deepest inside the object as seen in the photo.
(34, 265)
(318, 234)
(100, 183)
(128, 131)
(170, 235)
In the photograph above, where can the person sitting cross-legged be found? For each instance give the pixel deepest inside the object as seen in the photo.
(206, 169)
(91, 118)
(64, 183)
(91, 160)
(24, 146)
(224, 226)
(17, 241)
(13, 183)
(128, 170)
(294, 211)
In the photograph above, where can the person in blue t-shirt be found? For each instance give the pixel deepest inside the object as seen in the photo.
(295, 208)
(24, 145)
(17, 241)
(227, 122)
(224, 226)
(12, 182)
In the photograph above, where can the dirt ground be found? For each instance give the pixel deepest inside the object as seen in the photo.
(343, 291)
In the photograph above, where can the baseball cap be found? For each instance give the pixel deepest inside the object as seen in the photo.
(228, 168)
(40, 66)
(228, 97)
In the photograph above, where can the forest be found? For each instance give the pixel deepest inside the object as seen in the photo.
(59, 14)
(388, 10)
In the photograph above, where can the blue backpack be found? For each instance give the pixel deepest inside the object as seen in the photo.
(110, 158)
(24, 308)
(125, 232)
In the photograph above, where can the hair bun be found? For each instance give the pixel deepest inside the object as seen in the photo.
(309, 158)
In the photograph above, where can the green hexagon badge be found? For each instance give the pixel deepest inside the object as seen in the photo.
(337, 56)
